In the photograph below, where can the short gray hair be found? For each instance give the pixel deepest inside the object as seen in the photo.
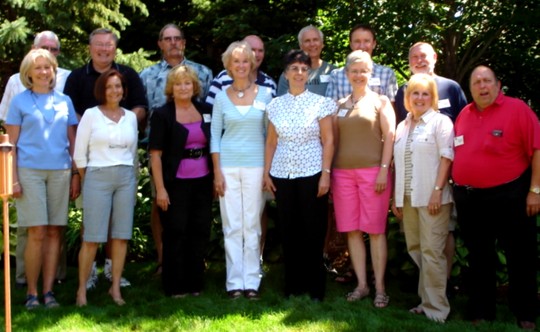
(307, 28)
(46, 35)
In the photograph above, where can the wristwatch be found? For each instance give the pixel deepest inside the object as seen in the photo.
(440, 188)
(535, 190)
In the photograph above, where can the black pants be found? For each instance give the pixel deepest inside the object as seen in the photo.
(303, 218)
(498, 215)
(186, 230)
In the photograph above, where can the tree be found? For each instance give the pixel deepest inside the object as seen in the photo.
(70, 20)
(502, 34)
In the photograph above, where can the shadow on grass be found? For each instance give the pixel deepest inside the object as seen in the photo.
(148, 310)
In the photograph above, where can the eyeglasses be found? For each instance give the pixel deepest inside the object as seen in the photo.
(50, 49)
(299, 69)
(102, 45)
(358, 72)
(170, 39)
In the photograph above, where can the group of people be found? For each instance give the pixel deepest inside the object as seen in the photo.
(349, 132)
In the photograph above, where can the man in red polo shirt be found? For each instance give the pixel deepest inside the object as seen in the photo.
(496, 172)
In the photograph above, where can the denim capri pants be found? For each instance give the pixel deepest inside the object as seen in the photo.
(45, 197)
(106, 189)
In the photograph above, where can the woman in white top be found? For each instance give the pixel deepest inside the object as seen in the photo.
(298, 157)
(106, 153)
(423, 154)
(237, 147)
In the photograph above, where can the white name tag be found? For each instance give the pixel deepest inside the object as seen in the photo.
(374, 81)
(459, 140)
(259, 105)
(207, 118)
(444, 103)
(325, 78)
(342, 112)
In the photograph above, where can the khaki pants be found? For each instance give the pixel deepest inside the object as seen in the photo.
(426, 235)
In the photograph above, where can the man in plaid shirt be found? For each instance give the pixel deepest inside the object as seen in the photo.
(383, 80)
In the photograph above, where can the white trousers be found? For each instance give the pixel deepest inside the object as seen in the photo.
(241, 208)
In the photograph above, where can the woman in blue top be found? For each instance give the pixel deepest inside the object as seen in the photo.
(237, 147)
(41, 123)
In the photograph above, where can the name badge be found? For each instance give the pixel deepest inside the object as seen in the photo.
(325, 78)
(342, 112)
(444, 103)
(459, 140)
(374, 81)
(259, 105)
(207, 118)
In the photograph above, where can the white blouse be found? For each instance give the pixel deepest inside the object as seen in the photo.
(432, 139)
(102, 142)
(296, 119)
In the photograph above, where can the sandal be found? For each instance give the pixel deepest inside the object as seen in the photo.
(50, 300)
(251, 294)
(357, 294)
(31, 302)
(381, 300)
(234, 294)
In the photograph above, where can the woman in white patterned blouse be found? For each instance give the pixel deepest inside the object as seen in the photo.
(298, 157)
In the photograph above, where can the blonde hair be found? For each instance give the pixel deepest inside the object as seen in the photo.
(242, 47)
(177, 74)
(422, 81)
(28, 63)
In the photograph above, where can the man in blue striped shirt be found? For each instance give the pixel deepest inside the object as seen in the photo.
(223, 80)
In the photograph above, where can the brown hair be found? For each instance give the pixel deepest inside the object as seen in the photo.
(100, 86)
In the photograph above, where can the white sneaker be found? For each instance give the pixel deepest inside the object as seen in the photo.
(107, 271)
(93, 279)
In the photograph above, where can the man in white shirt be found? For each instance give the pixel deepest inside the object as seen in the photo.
(47, 40)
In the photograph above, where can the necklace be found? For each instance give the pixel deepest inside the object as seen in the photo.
(114, 115)
(240, 92)
(357, 100)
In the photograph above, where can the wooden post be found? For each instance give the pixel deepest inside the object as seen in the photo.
(6, 190)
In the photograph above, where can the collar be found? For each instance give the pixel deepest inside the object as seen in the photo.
(425, 118)
(91, 70)
(497, 102)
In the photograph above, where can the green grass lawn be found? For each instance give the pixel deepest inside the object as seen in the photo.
(148, 310)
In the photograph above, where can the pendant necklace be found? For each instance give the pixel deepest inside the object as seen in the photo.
(240, 92)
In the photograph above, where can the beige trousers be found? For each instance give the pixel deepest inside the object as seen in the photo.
(425, 235)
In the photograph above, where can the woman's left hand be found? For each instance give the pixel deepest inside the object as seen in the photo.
(75, 186)
(381, 181)
(324, 184)
(434, 205)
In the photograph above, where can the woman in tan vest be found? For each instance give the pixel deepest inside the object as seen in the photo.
(364, 131)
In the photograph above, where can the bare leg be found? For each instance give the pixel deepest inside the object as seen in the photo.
(378, 258)
(357, 252)
(51, 252)
(87, 254)
(33, 257)
(119, 250)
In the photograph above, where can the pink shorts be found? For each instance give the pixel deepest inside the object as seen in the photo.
(357, 206)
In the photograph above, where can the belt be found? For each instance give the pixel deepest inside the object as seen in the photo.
(194, 153)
